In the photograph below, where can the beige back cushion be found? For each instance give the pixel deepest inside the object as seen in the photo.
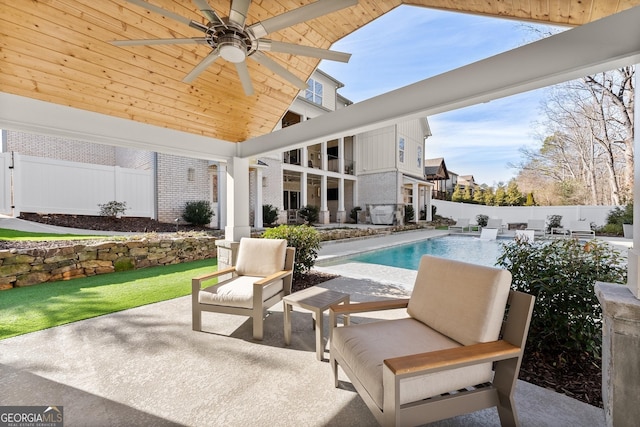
(465, 302)
(261, 257)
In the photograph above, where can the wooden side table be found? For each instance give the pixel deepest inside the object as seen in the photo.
(317, 300)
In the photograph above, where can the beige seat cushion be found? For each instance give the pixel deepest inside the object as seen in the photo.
(237, 292)
(364, 347)
(261, 257)
(462, 301)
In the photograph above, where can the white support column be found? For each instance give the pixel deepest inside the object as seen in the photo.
(633, 265)
(237, 200)
(324, 217)
(303, 189)
(341, 156)
(341, 215)
(257, 220)
(416, 202)
(323, 156)
(222, 195)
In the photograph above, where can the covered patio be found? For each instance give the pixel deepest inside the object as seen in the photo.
(118, 367)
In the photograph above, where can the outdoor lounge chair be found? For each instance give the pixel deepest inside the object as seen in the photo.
(488, 234)
(452, 355)
(461, 224)
(261, 277)
(537, 225)
(581, 229)
(494, 223)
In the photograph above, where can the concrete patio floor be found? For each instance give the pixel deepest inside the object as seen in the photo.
(145, 366)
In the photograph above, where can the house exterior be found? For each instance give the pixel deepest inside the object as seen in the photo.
(436, 172)
(380, 171)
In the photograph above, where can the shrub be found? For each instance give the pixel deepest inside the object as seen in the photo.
(561, 275)
(309, 214)
(198, 212)
(482, 220)
(304, 238)
(354, 214)
(112, 208)
(553, 221)
(409, 213)
(269, 214)
(618, 216)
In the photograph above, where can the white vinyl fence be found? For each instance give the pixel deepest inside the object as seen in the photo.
(521, 214)
(54, 186)
(5, 183)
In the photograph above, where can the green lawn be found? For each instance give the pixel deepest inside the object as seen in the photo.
(6, 234)
(33, 308)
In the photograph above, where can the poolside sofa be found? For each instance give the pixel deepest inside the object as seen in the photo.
(452, 355)
(581, 229)
(460, 225)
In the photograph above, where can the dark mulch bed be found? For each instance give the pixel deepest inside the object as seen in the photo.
(104, 223)
(577, 376)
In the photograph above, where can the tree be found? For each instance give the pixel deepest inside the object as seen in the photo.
(466, 196)
(586, 151)
(489, 196)
(478, 196)
(500, 196)
(457, 195)
(530, 200)
(513, 196)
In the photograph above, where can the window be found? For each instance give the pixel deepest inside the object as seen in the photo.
(419, 156)
(291, 200)
(314, 92)
(401, 150)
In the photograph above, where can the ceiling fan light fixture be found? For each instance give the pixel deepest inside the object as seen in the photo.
(232, 50)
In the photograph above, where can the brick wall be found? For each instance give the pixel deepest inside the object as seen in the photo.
(31, 144)
(180, 180)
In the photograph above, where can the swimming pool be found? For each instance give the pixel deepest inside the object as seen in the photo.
(461, 248)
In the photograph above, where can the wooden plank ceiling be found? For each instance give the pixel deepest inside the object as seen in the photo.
(58, 51)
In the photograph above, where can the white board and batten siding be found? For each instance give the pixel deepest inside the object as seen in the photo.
(379, 150)
(58, 186)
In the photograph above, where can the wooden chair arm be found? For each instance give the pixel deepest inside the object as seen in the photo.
(196, 282)
(272, 278)
(452, 358)
(363, 307)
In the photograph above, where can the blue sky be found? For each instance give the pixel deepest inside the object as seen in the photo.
(412, 43)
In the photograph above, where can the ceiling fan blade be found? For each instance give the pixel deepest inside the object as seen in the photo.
(208, 60)
(272, 65)
(168, 14)
(208, 12)
(301, 14)
(149, 42)
(238, 13)
(245, 79)
(266, 45)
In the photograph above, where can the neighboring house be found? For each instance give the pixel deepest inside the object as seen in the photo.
(380, 171)
(467, 181)
(436, 172)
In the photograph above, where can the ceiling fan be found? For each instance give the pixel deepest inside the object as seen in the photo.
(233, 41)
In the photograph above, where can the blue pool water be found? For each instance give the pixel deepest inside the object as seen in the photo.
(461, 248)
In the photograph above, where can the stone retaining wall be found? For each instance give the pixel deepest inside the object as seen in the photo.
(25, 267)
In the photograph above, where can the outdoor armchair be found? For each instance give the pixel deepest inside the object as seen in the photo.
(537, 225)
(452, 355)
(261, 278)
